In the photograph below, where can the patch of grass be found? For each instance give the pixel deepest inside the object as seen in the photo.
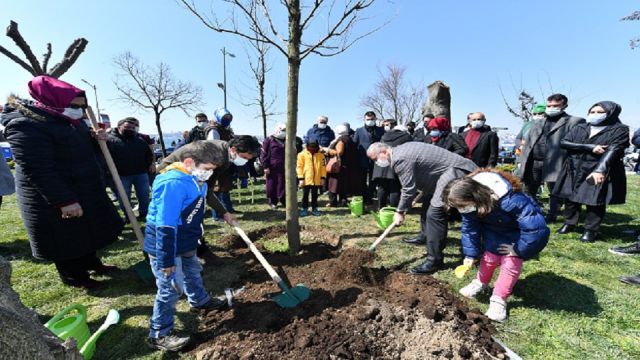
(568, 304)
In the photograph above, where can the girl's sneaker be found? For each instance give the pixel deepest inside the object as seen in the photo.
(315, 212)
(497, 309)
(304, 212)
(473, 289)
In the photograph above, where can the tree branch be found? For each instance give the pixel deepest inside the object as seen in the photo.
(70, 57)
(17, 60)
(14, 34)
(46, 57)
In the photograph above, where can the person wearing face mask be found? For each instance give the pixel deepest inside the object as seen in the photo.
(363, 137)
(199, 131)
(133, 159)
(346, 182)
(537, 114)
(542, 157)
(440, 135)
(427, 168)
(411, 127)
(482, 143)
(174, 227)
(422, 133)
(272, 160)
(501, 227)
(593, 173)
(221, 129)
(386, 180)
(60, 187)
(320, 132)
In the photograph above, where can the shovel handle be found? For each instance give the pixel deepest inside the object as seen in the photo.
(274, 275)
(381, 237)
(116, 180)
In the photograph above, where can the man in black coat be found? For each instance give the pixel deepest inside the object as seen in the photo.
(133, 159)
(199, 131)
(420, 134)
(482, 143)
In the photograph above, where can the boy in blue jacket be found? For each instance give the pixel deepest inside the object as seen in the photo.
(174, 226)
(501, 227)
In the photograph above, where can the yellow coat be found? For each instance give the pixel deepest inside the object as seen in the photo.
(310, 168)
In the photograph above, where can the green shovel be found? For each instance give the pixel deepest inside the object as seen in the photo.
(290, 296)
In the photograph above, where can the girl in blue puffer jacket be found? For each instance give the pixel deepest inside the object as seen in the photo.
(501, 226)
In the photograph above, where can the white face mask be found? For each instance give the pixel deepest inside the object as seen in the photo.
(387, 127)
(238, 161)
(595, 118)
(477, 124)
(383, 163)
(322, 126)
(467, 209)
(435, 133)
(553, 111)
(370, 123)
(538, 117)
(280, 134)
(74, 114)
(201, 174)
(202, 124)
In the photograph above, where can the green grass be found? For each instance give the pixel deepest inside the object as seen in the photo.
(566, 305)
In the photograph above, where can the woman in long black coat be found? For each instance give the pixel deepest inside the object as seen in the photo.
(593, 173)
(59, 186)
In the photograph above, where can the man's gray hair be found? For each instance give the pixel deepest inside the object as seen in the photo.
(375, 148)
(322, 118)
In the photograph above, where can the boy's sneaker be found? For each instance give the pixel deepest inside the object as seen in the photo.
(497, 309)
(473, 289)
(213, 304)
(170, 342)
(633, 249)
(315, 212)
(304, 212)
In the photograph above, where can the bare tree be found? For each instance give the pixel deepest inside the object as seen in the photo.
(32, 65)
(154, 88)
(393, 97)
(634, 43)
(260, 66)
(522, 110)
(255, 20)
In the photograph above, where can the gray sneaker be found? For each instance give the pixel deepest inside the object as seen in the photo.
(631, 280)
(625, 250)
(170, 342)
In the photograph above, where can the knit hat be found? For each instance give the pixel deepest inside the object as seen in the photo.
(539, 108)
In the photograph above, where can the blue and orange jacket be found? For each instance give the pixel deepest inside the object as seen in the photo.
(516, 219)
(176, 213)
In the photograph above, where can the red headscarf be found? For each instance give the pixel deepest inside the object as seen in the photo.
(53, 95)
(439, 123)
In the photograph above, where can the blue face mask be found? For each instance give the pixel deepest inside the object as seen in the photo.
(435, 133)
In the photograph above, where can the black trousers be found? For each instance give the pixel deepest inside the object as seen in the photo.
(78, 268)
(533, 182)
(314, 196)
(367, 184)
(388, 192)
(434, 226)
(595, 215)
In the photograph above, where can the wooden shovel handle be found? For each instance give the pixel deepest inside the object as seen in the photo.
(116, 180)
(381, 237)
(274, 275)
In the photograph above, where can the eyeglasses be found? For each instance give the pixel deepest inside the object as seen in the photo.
(76, 106)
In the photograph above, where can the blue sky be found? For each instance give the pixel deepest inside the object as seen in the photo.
(579, 47)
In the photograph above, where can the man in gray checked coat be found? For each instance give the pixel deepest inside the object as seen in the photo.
(427, 168)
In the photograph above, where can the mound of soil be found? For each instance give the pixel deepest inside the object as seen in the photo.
(354, 312)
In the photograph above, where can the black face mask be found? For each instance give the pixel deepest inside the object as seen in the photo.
(128, 133)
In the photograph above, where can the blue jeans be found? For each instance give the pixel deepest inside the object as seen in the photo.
(164, 307)
(225, 199)
(141, 183)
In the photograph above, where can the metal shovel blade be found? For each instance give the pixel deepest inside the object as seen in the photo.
(291, 297)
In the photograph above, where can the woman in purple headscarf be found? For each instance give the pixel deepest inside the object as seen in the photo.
(59, 185)
(272, 159)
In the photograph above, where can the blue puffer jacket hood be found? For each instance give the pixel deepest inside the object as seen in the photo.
(219, 114)
(516, 219)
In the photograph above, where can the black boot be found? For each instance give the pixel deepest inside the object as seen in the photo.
(416, 240)
(589, 236)
(566, 228)
(429, 266)
(631, 280)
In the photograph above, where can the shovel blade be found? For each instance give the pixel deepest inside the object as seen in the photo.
(293, 296)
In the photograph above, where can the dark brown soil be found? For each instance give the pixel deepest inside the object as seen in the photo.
(354, 312)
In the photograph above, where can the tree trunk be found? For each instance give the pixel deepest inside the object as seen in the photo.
(439, 101)
(291, 183)
(263, 111)
(159, 127)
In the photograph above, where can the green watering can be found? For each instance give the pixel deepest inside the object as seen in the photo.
(66, 324)
(357, 206)
(384, 218)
